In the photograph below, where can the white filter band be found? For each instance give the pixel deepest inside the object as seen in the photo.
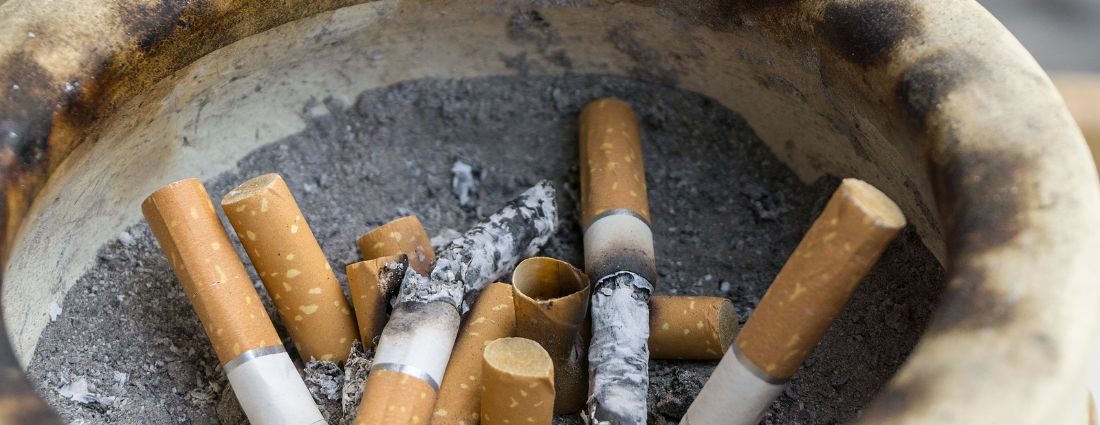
(271, 392)
(425, 341)
(735, 394)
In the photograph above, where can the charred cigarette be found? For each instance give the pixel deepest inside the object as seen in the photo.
(419, 336)
(844, 242)
(690, 328)
(551, 302)
(404, 235)
(519, 383)
(292, 266)
(263, 377)
(492, 317)
(371, 284)
(618, 256)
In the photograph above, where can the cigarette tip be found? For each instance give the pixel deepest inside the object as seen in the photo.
(873, 202)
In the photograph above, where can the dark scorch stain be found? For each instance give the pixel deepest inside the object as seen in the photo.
(153, 23)
(985, 195)
(899, 400)
(923, 86)
(974, 304)
(867, 33)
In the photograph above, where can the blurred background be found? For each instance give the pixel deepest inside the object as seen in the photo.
(1064, 36)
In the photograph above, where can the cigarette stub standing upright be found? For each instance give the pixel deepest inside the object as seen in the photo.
(371, 284)
(845, 241)
(263, 377)
(493, 317)
(551, 299)
(519, 383)
(404, 235)
(292, 266)
(618, 256)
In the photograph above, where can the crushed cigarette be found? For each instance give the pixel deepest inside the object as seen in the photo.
(690, 328)
(619, 257)
(492, 317)
(811, 289)
(518, 383)
(292, 267)
(263, 377)
(372, 283)
(404, 235)
(551, 305)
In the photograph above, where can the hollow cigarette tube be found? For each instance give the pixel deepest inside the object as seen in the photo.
(404, 235)
(551, 303)
(690, 328)
(292, 267)
(263, 377)
(519, 383)
(618, 257)
(492, 317)
(419, 336)
(371, 284)
(844, 242)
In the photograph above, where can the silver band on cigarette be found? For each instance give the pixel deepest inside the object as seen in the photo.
(616, 211)
(252, 354)
(738, 393)
(412, 371)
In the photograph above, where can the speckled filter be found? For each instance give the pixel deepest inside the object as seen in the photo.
(811, 289)
(292, 266)
(263, 377)
(404, 235)
(690, 328)
(492, 317)
(551, 303)
(519, 383)
(392, 397)
(372, 283)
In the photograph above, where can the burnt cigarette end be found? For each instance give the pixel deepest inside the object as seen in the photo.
(618, 357)
(690, 328)
(811, 289)
(519, 383)
(404, 235)
(372, 283)
(492, 317)
(292, 266)
(263, 377)
(551, 303)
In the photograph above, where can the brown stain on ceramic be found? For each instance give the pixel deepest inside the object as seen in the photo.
(867, 33)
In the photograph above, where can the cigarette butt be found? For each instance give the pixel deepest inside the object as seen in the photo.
(612, 172)
(371, 284)
(844, 242)
(263, 377)
(404, 235)
(493, 317)
(395, 398)
(551, 302)
(690, 328)
(519, 383)
(292, 266)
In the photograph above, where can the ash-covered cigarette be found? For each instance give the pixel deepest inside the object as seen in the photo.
(263, 377)
(619, 257)
(372, 283)
(404, 235)
(690, 328)
(844, 242)
(292, 267)
(551, 304)
(493, 317)
(419, 336)
(519, 383)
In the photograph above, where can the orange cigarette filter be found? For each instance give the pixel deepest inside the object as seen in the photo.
(404, 235)
(690, 328)
(191, 235)
(493, 317)
(371, 283)
(845, 241)
(292, 266)
(519, 383)
(392, 397)
(612, 172)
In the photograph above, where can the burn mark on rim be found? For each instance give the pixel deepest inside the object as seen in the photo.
(867, 33)
(923, 86)
(985, 196)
